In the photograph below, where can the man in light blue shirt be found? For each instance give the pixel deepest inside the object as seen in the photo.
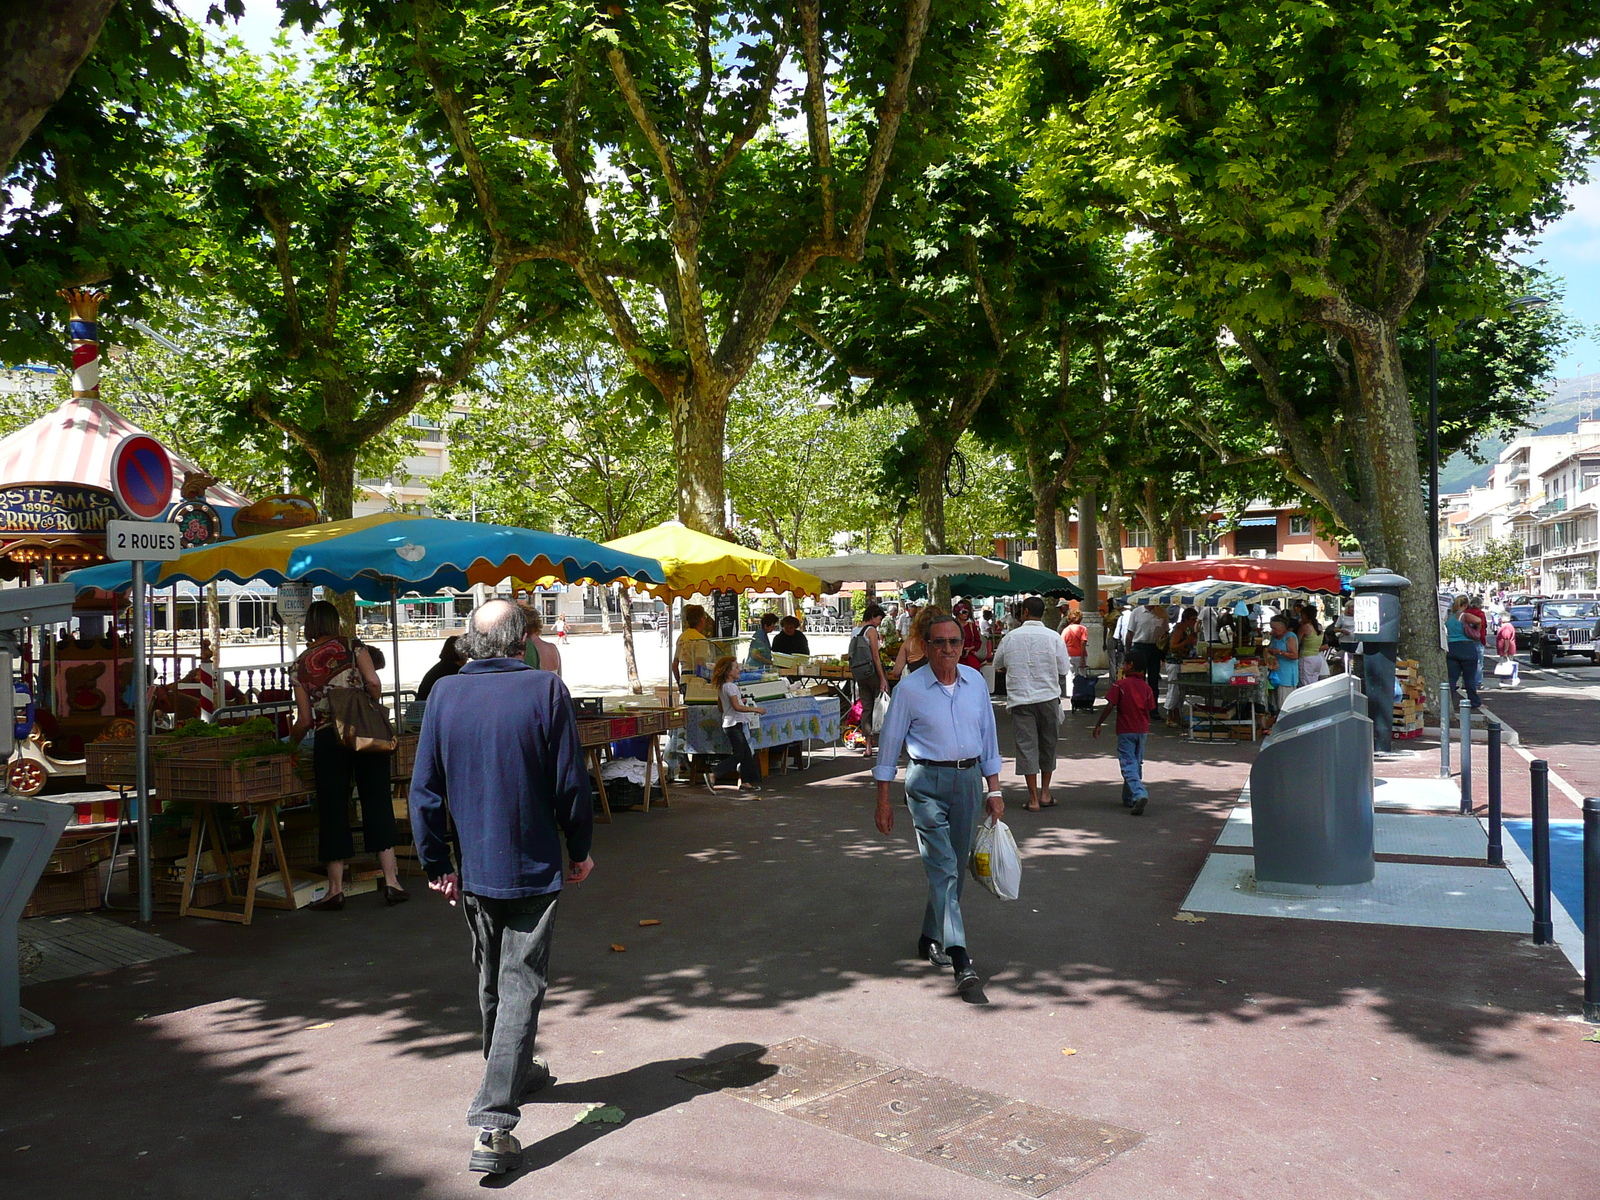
(944, 719)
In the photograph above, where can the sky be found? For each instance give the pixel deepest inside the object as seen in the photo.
(1569, 248)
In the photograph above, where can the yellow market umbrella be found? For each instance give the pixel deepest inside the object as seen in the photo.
(696, 562)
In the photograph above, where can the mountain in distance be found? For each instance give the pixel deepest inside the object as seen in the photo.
(1569, 399)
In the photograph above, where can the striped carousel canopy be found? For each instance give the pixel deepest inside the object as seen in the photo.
(1211, 593)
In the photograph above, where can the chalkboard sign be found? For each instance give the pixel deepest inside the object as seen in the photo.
(725, 612)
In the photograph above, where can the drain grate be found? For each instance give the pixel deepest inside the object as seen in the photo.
(788, 1074)
(1010, 1143)
(899, 1110)
(1029, 1149)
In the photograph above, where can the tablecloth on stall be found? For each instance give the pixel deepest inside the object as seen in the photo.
(793, 719)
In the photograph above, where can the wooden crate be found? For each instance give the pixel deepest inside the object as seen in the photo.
(75, 892)
(78, 854)
(405, 755)
(226, 780)
(111, 764)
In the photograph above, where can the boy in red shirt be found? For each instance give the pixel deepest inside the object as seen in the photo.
(1133, 701)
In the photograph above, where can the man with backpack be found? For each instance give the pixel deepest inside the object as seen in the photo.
(866, 668)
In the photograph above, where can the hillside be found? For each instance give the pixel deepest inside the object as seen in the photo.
(1569, 399)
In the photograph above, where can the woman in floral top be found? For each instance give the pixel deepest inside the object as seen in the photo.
(328, 663)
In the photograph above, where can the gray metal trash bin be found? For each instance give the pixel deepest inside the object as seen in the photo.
(1311, 791)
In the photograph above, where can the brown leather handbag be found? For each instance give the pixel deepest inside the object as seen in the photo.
(361, 722)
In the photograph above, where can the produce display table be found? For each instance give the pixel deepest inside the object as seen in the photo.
(791, 719)
(264, 811)
(595, 735)
(1200, 690)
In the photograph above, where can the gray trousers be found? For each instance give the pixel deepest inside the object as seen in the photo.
(944, 804)
(1036, 727)
(511, 947)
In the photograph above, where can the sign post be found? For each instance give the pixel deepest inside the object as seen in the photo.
(141, 478)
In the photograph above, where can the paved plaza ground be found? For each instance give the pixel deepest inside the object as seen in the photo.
(332, 1055)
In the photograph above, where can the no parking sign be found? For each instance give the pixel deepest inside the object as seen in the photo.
(141, 476)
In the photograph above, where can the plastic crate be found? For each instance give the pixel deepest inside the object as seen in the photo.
(78, 854)
(226, 780)
(77, 892)
(111, 764)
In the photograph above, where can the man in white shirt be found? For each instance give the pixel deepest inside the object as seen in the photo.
(1035, 661)
(1147, 629)
(902, 623)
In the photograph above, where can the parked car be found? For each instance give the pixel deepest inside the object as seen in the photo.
(1523, 617)
(1565, 628)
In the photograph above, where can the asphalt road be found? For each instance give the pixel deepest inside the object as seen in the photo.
(1556, 713)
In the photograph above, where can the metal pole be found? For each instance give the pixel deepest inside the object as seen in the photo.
(141, 746)
(1539, 781)
(394, 642)
(1591, 909)
(1496, 855)
(1466, 757)
(1444, 730)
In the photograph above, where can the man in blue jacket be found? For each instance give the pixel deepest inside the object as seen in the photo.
(499, 750)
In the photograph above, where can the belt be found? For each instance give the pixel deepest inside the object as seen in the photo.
(960, 764)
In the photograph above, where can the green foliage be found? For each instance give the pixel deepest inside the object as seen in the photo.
(1498, 561)
(86, 201)
(555, 440)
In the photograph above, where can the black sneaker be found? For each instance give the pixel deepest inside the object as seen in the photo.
(1137, 807)
(931, 950)
(495, 1152)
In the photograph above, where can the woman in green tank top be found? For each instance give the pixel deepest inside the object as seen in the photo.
(1312, 664)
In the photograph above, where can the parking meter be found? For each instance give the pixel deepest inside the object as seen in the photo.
(1376, 599)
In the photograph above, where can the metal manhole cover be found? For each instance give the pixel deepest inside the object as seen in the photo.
(899, 1110)
(1029, 1149)
(787, 1074)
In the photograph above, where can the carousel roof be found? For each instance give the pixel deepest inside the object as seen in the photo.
(73, 445)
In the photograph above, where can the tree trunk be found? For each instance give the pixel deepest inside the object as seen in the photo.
(1089, 577)
(336, 472)
(1113, 540)
(930, 494)
(1046, 500)
(1150, 514)
(699, 423)
(628, 655)
(42, 45)
(1392, 444)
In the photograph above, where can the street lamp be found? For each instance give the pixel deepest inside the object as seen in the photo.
(1526, 301)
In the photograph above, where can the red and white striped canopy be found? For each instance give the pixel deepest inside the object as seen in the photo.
(73, 444)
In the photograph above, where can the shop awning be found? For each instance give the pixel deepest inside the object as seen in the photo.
(1287, 573)
(1255, 522)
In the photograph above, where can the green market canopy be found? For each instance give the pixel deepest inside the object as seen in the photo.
(1019, 580)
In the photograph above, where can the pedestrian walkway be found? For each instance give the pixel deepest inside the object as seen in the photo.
(318, 1054)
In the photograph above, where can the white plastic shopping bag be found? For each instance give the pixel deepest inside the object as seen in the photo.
(995, 861)
(880, 711)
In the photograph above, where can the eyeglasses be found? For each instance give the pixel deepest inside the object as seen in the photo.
(944, 641)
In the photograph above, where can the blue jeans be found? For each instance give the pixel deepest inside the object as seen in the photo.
(1130, 757)
(944, 804)
(1465, 660)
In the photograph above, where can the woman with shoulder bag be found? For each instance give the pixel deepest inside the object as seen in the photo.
(866, 669)
(332, 663)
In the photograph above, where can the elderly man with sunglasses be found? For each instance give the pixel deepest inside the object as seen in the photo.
(944, 720)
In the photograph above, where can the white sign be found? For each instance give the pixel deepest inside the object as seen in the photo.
(1368, 615)
(293, 600)
(152, 541)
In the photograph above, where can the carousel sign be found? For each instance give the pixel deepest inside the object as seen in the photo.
(57, 508)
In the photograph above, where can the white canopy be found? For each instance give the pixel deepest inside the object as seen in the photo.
(897, 568)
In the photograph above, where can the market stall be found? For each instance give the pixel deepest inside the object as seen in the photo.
(1019, 580)
(377, 557)
(1222, 684)
(696, 564)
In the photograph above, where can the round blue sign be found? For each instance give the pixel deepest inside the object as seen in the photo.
(141, 476)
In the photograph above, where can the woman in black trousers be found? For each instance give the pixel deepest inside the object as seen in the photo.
(331, 662)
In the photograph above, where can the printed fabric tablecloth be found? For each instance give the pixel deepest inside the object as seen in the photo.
(793, 719)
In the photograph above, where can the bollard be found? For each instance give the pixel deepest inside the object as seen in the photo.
(1444, 734)
(1496, 855)
(1539, 784)
(1591, 910)
(1466, 758)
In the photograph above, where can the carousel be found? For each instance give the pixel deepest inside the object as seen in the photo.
(55, 500)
